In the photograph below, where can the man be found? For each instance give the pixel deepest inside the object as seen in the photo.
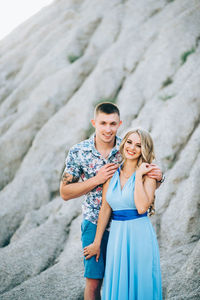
(94, 161)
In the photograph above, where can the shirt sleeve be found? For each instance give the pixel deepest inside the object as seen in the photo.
(72, 164)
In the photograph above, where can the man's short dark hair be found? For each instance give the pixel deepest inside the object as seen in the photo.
(106, 108)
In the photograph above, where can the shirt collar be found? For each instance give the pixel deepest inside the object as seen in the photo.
(114, 150)
(117, 144)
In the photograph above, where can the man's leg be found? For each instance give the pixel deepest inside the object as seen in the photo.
(94, 271)
(92, 289)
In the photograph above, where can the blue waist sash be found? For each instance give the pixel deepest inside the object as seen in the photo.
(126, 214)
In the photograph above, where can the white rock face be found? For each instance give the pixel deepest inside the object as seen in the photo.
(54, 68)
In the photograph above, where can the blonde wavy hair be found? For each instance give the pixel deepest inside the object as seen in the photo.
(147, 153)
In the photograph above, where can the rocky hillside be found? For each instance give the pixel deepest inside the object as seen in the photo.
(54, 68)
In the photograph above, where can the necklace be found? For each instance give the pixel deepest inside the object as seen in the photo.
(127, 177)
(106, 156)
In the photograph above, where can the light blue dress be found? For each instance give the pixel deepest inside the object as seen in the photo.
(132, 260)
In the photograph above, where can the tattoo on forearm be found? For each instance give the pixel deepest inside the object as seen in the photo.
(68, 178)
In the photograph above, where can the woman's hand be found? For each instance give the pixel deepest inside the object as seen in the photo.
(144, 168)
(91, 250)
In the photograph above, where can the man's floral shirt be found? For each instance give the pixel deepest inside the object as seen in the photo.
(84, 161)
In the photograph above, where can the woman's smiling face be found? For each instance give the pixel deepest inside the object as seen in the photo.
(132, 147)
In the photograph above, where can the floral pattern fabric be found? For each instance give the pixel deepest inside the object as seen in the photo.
(84, 161)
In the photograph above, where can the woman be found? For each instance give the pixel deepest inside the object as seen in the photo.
(132, 261)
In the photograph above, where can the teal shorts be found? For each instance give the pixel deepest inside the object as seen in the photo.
(93, 269)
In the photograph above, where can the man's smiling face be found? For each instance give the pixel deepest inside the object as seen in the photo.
(106, 126)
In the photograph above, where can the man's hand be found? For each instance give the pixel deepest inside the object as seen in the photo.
(106, 172)
(155, 172)
(92, 250)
